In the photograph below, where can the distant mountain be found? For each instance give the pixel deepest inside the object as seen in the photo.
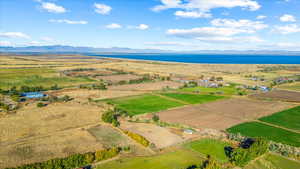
(60, 49)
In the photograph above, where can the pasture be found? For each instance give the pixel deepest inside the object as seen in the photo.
(226, 90)
(221, 114)
(256, 129)
(212, 147)
(36, 77)
(273, 161)
(289, 118)
(193, 98)
(178, 159)
(146, 103)
(290, 86)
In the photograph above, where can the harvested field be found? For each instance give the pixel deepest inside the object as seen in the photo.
(223, 113)
(151, 86)
(117, 78)
(84, 94)
(160, 136)
(283, 95)
(108, 136)
(46, 147)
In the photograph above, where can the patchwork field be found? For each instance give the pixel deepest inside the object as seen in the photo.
(283, 95)
(273, 161)
(160, 136)
(178, 159)
(146, 103)
(118, 78)
(214, 148)
(291, 86)
(256, 129)
(151, 86)
(288, 118)
(222, 114)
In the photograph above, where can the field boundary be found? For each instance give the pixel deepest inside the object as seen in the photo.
(274, 125)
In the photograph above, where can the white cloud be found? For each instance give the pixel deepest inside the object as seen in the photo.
(287, 29)
(203, 7)
(243, 23)
(113, 26)
(140, 27)
(261, 17)
(192, 14)
(67, 21)
(14, 35)
(102, 9)
(35, 43)
(239, 39)
(47, 39)
(287, 18)
(52, 7)
(5, 43)
(168, 44)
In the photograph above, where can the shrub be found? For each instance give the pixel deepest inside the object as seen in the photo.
(155, 118)
(40, 104)
(106, 154)
(210, 163)
(138, 138)
(89, 157)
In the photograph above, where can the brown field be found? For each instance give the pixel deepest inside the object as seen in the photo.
(118, 78)
(222, 114)
(91, 73)
(82, 95)
(282, 95)
(160, 136)
(147, 86)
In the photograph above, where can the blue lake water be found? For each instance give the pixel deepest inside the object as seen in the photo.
(213, 58)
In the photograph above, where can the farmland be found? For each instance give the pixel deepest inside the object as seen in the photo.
(273, 161)
(282, 95)
(143, 104)
(256, 129)
(193, 98)
(226, 90)
(288, 118)
(212, 147)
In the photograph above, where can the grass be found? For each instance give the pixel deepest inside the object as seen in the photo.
(256, 129)
(291, 86)
(146, 103)
(288, 118)
(36, 77)
(226, 90)
(212, 147)
(193, 98)
(172, 160)
(273, 161)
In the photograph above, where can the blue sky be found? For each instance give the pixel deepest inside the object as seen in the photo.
(157, 24)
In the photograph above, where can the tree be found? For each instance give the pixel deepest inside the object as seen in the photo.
(155, 118)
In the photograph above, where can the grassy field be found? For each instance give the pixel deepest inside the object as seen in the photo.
(193, 98)
(172, 160)
(288, 118)
(36, 77)
(212, 147)
(143, 104)
(273, 161)
(227, 90)
(256, 129)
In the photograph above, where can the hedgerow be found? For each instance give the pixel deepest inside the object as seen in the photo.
(138, 138)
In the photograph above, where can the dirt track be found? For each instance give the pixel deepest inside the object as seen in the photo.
(222, 114)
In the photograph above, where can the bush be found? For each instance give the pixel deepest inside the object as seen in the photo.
(210, 163)
(89, 158)
(40, 104)
(155, 118)
(138, 138)
(106, 154)
(241, 156)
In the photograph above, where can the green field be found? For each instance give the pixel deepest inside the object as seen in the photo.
(193, 98)
(179, 159)
(256, 129)
(146, 103)
(273, 161)
(36, 77)
(226, 90)
(288, 118)
(212, 147)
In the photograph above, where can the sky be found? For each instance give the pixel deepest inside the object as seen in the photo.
(153, 24)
